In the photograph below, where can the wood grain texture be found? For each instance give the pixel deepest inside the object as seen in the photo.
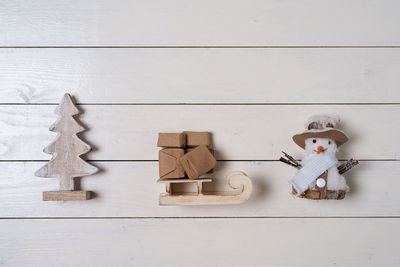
(312, 75)
(199, 23)
(130, 189)
(270, 52)
(239, 132)
(178, 242)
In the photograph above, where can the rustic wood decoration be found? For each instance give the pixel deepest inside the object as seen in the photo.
(321, 178)
(237, 180)
(66, 150)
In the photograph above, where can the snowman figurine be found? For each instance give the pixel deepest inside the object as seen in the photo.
(319, 175)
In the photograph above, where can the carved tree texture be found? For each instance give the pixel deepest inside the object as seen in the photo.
(66, 148)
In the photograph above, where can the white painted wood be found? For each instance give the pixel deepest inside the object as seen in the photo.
(239, 132)
(130, 189)
(246, 75)
(201, 75)
(200, 242)
(198, 23)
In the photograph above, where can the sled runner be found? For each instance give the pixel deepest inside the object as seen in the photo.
(237, 180)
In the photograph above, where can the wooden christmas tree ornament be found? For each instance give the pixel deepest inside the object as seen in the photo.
(175, 161)
(66, 150)
(320, 175)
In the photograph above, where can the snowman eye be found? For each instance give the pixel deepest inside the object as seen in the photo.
(314, 141)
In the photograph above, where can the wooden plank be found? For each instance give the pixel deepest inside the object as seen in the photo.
(239, 132)
(130, 189)
(224, 242)
(201, 75)
(199, 23)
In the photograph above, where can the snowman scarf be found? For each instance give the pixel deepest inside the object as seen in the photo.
(316, 165)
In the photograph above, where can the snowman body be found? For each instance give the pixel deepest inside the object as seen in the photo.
(335, 181)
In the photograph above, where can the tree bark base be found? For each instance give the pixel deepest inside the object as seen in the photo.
(316, 195)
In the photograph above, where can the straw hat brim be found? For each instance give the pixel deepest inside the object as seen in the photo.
(338, 136)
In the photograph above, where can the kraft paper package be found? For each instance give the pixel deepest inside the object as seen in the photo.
(198, 162)
(171, 140)
(169, 164)
(194, 139)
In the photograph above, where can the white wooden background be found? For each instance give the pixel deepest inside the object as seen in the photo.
(251, 72)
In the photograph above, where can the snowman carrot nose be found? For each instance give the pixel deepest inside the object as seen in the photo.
(320, 149)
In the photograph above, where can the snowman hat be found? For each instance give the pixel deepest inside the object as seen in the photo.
(320, 127)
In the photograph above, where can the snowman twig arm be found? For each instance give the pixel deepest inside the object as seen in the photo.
(345, 167)
(290, 161)
(348, 165)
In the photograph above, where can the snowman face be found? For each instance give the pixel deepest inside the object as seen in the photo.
(320, 145)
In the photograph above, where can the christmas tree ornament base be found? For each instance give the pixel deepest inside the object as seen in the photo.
(66, 195)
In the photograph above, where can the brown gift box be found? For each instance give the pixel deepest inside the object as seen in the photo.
(169, 165)
(198, 162)
(198, 139)
(171, 140)
(187, 150)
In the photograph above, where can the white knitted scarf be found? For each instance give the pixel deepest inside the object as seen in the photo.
(316, 165)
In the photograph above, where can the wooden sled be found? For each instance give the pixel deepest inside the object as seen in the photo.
(236, 180)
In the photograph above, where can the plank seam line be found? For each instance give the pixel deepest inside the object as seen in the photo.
(233, 160)
(200, 217)
(203, 46)
(208, 104)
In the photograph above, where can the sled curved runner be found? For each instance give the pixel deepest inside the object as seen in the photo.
(237, 180)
